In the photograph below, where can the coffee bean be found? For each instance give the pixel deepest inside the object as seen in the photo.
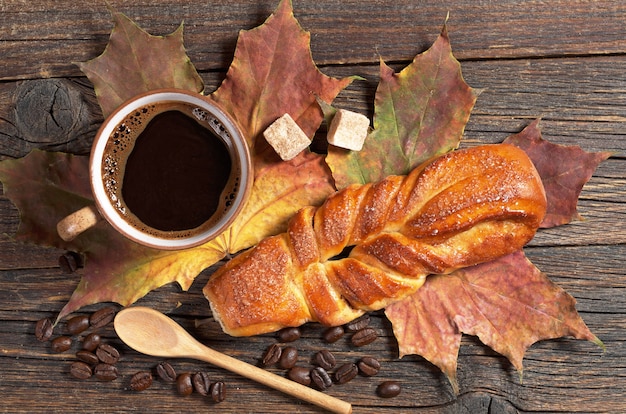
(368, 366)
(333, 334)
(166, 372)
(359, 323)
(218, 391)
(141, 381)
(91, 342)
(61, 344)
(102, 317)
(388, 389)
(320, 378)
(184, 385)
(107, 354)
(77, 324)
(69, 262)
(346, 373)
(301, 375)
(289, 334)
(44, 329)
(201, 382)
(325, 359)
(105, 372)
(80, 370)
(272, 355)
(288, 358)
(363, 337)
(87, 357)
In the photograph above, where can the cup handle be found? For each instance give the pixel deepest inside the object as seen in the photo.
(77, 222)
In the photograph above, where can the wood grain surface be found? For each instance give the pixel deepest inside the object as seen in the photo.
(561, 61)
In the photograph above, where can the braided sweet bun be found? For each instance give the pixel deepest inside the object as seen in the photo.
(370, 245)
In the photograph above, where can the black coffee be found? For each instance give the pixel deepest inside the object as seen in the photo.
(168, 171)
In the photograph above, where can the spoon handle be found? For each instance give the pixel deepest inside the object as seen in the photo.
(262, 376)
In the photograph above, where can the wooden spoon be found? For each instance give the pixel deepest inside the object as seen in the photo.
(150, 332)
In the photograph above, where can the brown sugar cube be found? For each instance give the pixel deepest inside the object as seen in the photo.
(286, 137)
(348, 130)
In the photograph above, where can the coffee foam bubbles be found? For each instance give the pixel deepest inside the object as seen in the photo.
(120, 145)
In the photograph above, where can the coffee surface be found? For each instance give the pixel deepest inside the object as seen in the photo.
(176, 173)
(168, 172)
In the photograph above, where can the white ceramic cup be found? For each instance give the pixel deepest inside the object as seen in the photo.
(205, 111)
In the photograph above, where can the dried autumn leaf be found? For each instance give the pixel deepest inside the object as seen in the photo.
(419, 113)
(45, 187)
(564, 171)
(273, 73)
(278, 193)
(135, 62)
(118, 270)
(508, 303)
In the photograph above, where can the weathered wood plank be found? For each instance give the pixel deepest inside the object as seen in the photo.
(604, 224)
(42, 39)
(580, 102)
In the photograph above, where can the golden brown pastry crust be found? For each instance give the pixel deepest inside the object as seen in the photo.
(465, 208)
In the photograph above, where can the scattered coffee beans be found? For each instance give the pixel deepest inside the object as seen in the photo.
(368, 366)
(166, 372)
(272, 355)
(201, 383)
(44, 330)
(184, 385)
(363, 337)
(105, 372)
(80, 370)
(288, 357)
(107, 354)
(320, 378)
(289, 334)
(218, 391)
(141, 381)
(87, 357)
(61, 344)
(69, 262)
(333, 334)
(388, 389)
(98, 359)
(359, 323)
(102, 317)
(346, 373)
(91, 342)
(77, 324)
(325, 359)
(301, 375)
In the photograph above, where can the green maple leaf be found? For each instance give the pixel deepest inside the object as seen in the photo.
(420, 113)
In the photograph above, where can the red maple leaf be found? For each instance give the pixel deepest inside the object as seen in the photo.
(564, 170)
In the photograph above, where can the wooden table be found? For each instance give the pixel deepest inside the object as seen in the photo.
(563, 61)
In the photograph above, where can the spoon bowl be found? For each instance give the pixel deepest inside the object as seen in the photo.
(152, 333)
